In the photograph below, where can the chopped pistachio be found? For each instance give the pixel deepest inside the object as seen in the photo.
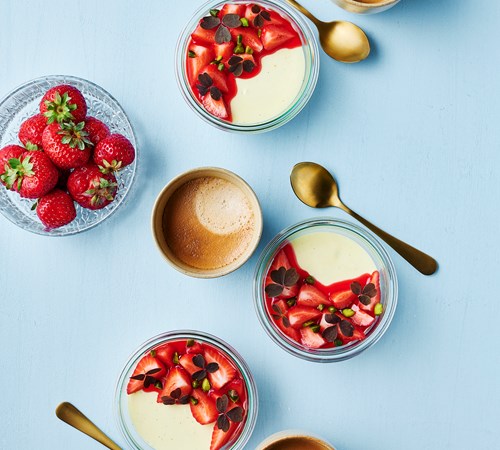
(238, 50)
(332, 309)
(158, 384)
(308, 323)
(219, 58)
(348, 312)
(193, 400)
(195, 384)
(206, 385)
(233, 395)
(338, 343)
(221, 66)
(291, 301)
(244, 21)
(239, 39)
(259, 33)
(315, 328)
(214, 12)
(310, 280)
(321, 307)
(153, 353)
(248, 50)
(191, 54)
(175, 359)
(379, 309)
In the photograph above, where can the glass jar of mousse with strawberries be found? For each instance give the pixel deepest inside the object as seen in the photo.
(186, 390)
(325, 290)
(247, 67)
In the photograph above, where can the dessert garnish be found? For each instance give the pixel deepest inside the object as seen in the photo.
(261, 16)
(237, 65)
(234, 415)
(365, 294)
(199, 361)
(282, 278)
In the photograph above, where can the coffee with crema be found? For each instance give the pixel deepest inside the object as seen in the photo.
(208, 223)
(298, 443)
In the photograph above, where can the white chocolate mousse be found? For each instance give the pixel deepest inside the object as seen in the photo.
(167, 428)
(331, 257)
(273, 90)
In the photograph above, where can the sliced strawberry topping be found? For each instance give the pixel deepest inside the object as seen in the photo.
(202, 36)
(232, 9)
(250, 38)
(225, 373)
(224, 51)
(274, 36)
(360, 317)
(199, 57)
(237, 386)
(215, 107)
(146, 370)
(203, 407)
(349, 332)
(218, 77)
(342, 299)
(311, 296)
(375, 279)
(220, 438)
(176, 388)
(311, 339)
(165, 354)
(188, 364)
(300, 314)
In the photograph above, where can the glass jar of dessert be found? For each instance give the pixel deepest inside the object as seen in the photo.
(325, 290)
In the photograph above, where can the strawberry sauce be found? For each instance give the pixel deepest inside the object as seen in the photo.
(251, 41)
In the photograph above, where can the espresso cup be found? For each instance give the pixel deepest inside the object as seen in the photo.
(294, 440)
(366, 6)
(207, 222)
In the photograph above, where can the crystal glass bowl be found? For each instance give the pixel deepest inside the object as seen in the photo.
(388, 287)
(23, 103)
(134, 440)
(311, 54)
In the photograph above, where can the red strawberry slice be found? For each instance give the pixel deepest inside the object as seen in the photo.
(188, 364)
(200, 58)
(224, 51)
(232, 9)
(311, 296)
(218, 77)
(250, 15)
(224, 374)
(145, 365)
(357, 334)
(375, 279)
(237, 385)
(274, 36)
(221, 438)
(203, 408)
(311, 339)
(250, 38)
(202, 36)
(300, 314)
(195, 348)
(281, 260)
(215, 107)
(361, 318)
(342, 299)
(177, 378)
(165, 353)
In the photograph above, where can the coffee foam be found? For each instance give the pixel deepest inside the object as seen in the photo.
(208, 223)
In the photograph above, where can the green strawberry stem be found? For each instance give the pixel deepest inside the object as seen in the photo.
(74, 135)
(16, 170)
(60, 109)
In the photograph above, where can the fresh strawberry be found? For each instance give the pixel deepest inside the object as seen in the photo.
(229, 8)
(300, 314)
(215, 107)
(32, 174)
(274, 36)
(67, 144)
(31, 130)
(56, 209)
(147, 367)
(202, 36)
(198, 58)
(249, 36)
(186, 361)
(195, 348)
(311, 339)
(217, 76)
(360, 317)
(226, 371)
(224, 51)
(114, 153)
(220, 438)
(176, 388)
(63, 103)
(96, 130)
(165, 353)
(203, 407)
(91, 188)
(6, 153)
(375, 280)
(311, 296)
(342, 299)
(237, 391)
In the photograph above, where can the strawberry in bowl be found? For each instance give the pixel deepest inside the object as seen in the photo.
(56, 142)
(184, 390)
(247, 67)
(325, 290)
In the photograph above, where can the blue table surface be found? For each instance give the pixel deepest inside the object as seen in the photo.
(412, 136)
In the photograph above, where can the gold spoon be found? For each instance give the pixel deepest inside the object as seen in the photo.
(316, 187)
(341, 40)
(72, 416)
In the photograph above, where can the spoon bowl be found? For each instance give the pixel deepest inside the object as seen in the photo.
(317, 188)
(341, 40)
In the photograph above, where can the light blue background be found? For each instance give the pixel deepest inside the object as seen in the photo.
(412, 136)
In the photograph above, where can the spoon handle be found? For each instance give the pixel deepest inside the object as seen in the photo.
(304, 11)
(74, 417)
(422, 262)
